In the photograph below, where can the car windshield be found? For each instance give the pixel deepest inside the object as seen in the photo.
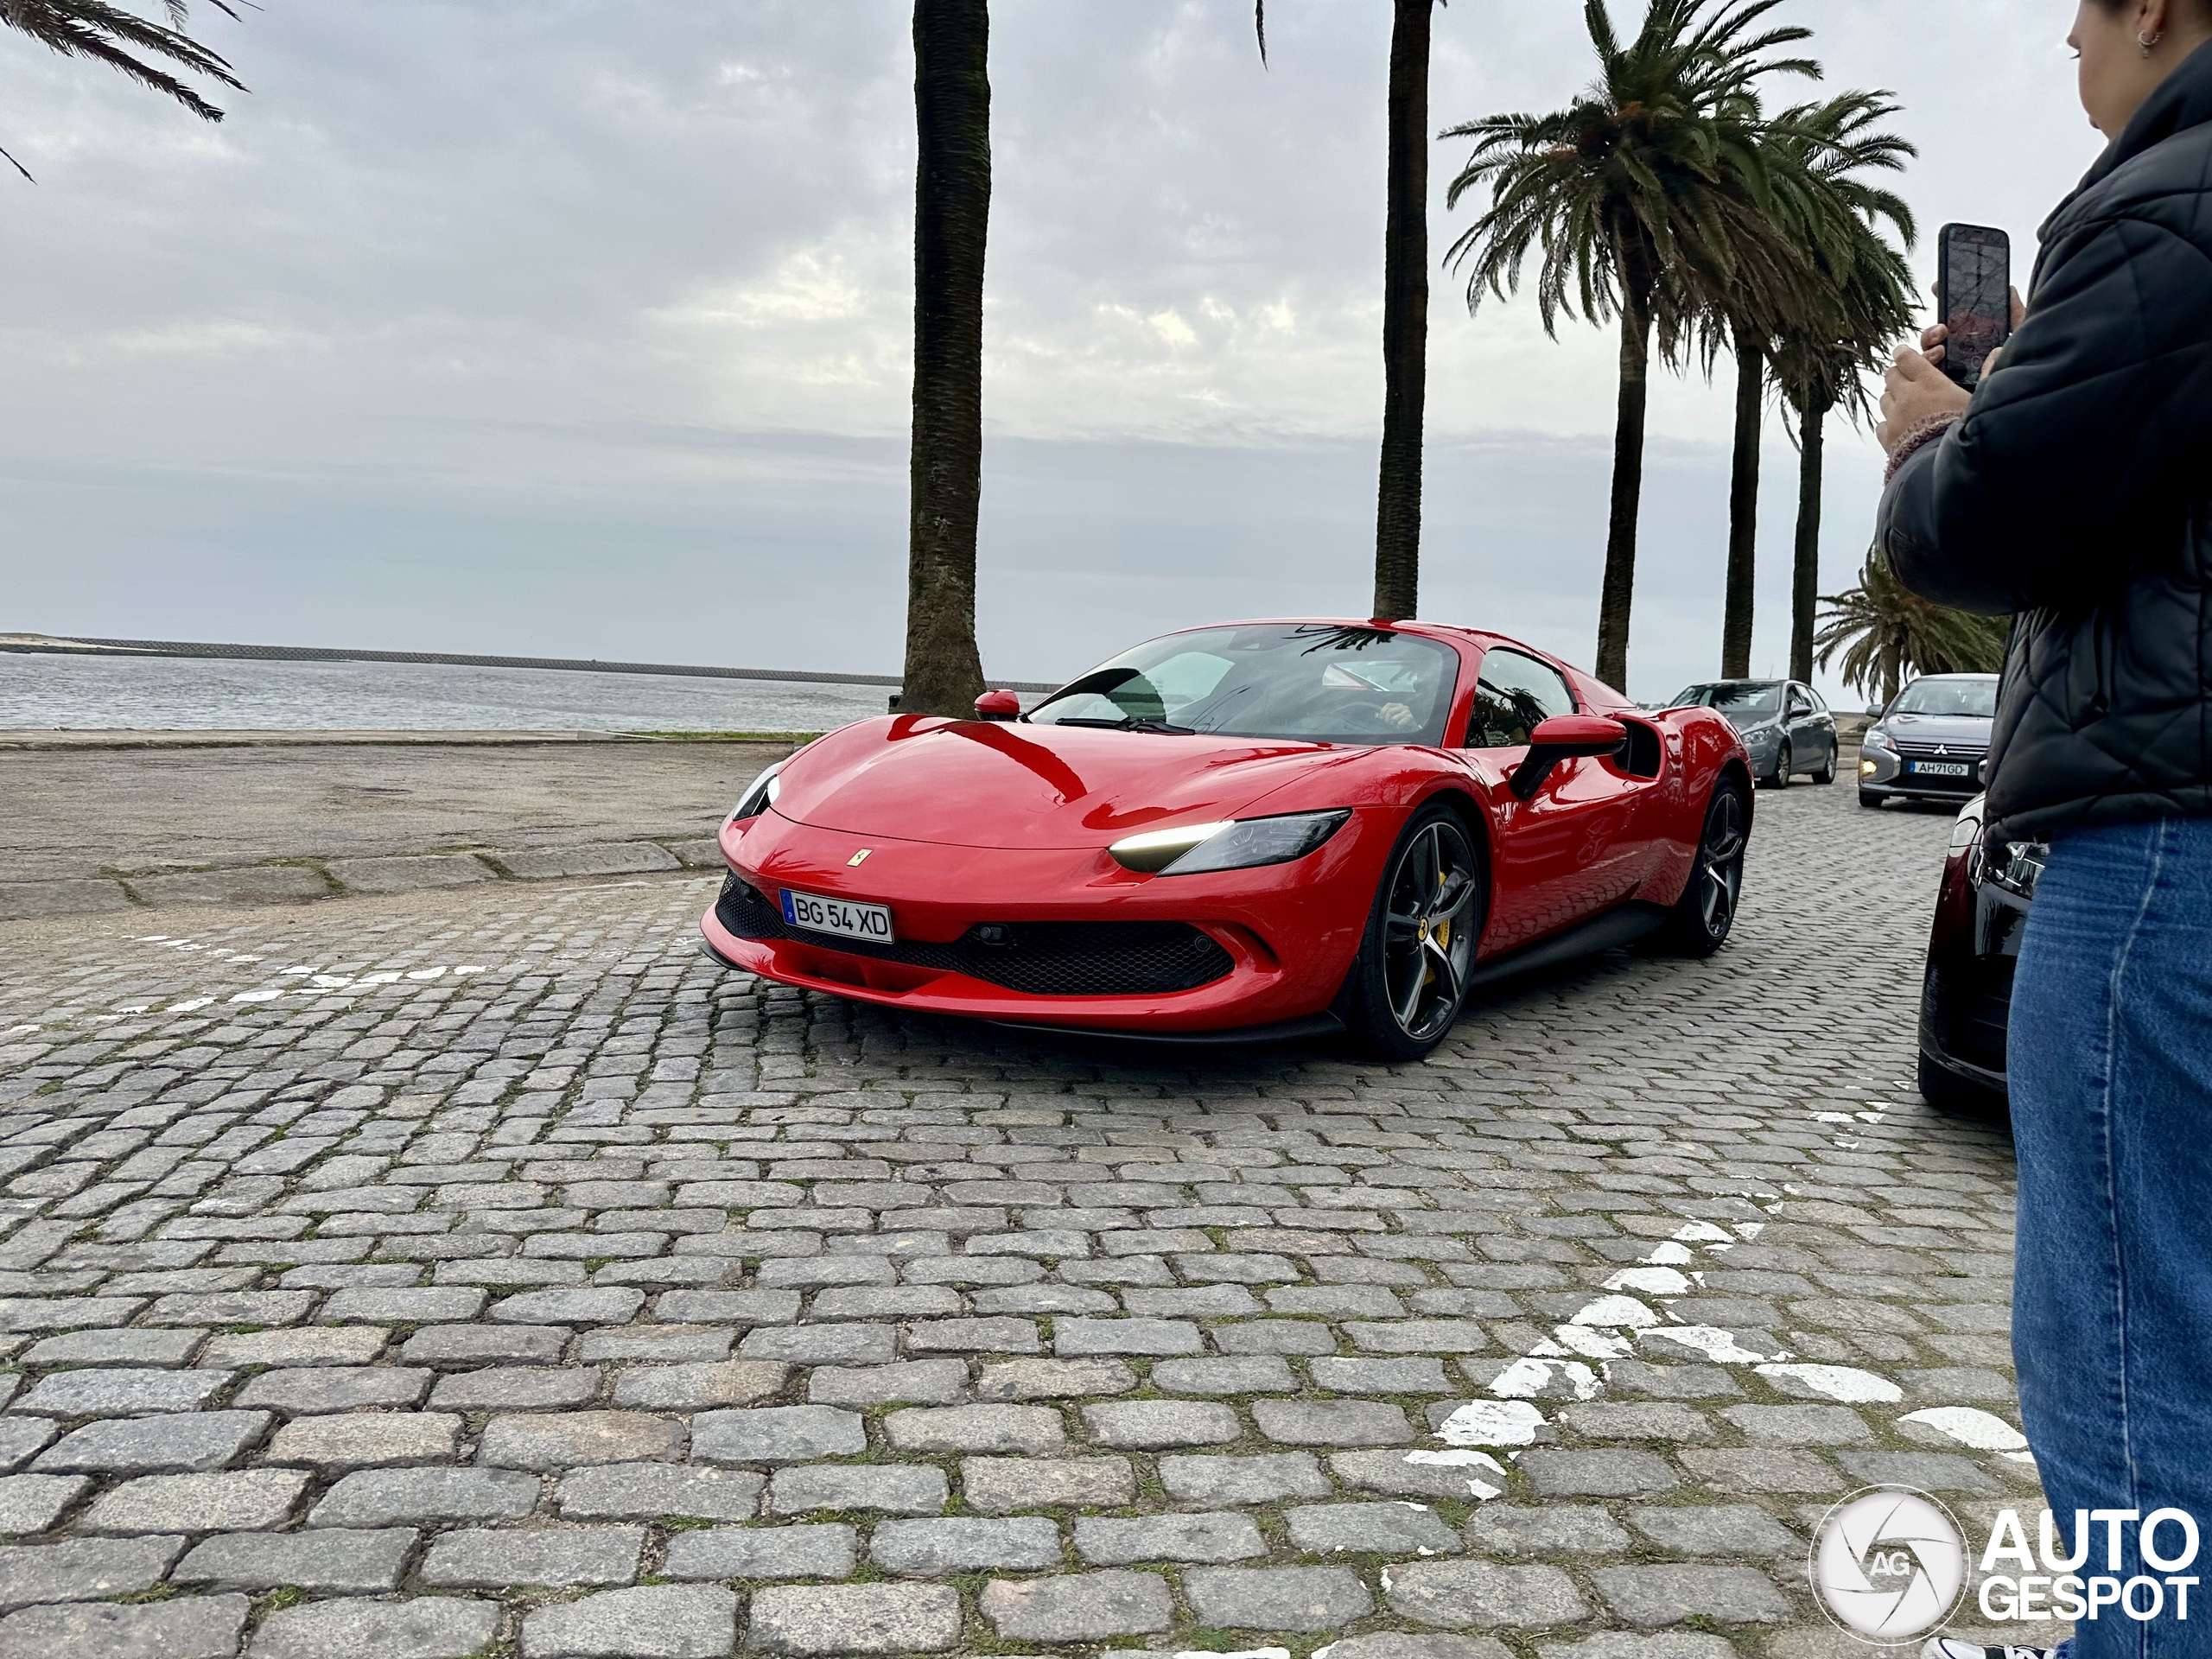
(1321, 681)
(1734, 697)
(1974, 698)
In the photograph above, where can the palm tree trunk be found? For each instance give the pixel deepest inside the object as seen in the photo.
(1743, 509)
(1405, 317)
(1618, 593)
(952, 205)
(1805, 578)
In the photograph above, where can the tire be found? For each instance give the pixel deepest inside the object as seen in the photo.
(1409, 981)
(1826, 774)
(1702, 918)
(1955, 1096)
(1870, 800)
(1779, 778)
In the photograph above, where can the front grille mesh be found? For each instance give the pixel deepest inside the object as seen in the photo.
(1951, 751)
(1040, 959)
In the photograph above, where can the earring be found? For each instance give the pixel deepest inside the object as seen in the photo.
(2149, 44)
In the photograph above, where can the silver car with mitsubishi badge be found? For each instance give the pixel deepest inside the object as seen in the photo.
(1930, 742)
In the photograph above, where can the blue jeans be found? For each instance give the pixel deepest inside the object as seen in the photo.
(2110, 1064)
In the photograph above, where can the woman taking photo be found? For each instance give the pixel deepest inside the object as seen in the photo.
(2073, 490)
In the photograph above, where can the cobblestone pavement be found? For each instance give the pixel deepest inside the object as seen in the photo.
(484, 1271)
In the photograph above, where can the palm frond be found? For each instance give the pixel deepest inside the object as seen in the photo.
(1654, 187)
(1886, 634)
(128, 43)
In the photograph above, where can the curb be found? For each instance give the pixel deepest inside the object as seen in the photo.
(289, 881)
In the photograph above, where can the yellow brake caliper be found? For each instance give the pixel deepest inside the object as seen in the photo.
(1441, 933)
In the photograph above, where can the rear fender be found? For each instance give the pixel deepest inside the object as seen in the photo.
(1738, 771)
(1709, 753)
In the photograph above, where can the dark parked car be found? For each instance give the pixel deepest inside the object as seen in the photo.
(1965, 995)
(1783, 723)
(1930, 741)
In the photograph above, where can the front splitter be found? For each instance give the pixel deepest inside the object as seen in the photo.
(1280, 1030)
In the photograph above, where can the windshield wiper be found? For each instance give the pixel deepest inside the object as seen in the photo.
(1131, 723)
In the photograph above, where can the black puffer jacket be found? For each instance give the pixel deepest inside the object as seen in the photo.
(2077, 492)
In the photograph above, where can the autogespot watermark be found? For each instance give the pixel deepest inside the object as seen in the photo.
(2075, 1595)
(1890, 1563)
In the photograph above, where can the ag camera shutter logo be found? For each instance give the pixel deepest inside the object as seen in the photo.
(1888, 1564)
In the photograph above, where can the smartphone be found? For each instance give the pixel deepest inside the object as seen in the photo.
(1973, 284)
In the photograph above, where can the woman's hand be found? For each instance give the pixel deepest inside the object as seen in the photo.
(1913, 390)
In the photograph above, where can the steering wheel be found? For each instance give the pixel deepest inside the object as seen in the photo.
(1348, 712)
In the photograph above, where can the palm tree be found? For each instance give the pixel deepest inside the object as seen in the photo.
(1773, 295)
(1749, 343)
(1766, 302)
(1405, 306)
(1867, 288)
(1886, 633)
(109, 34)
(1821, 297)
(1644, 195)
(952, 208)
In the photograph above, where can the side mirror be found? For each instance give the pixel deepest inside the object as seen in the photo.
(1560, 737)
(998, 705)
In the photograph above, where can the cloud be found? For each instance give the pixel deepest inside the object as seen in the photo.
(584, 328)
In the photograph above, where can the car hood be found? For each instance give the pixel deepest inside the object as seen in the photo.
(1967, 730)
(998, 784)
(1746, 725)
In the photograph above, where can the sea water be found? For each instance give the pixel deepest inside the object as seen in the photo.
(46, 690)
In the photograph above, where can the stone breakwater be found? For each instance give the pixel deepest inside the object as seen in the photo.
(176, 818)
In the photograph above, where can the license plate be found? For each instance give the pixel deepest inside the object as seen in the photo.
(840, 916)
(1940, 768)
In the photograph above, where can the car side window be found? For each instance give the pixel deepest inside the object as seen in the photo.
(1800, 704)
(1818, 707)
(1513, 694)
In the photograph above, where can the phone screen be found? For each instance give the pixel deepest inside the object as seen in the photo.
(1976, 281)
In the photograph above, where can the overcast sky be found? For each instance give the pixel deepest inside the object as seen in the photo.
(580, 327)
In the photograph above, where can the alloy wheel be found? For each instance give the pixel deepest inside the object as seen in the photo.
(1428, 930)
(1720, 863)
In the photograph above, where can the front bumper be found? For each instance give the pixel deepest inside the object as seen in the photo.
(1886, 774)
(1173, 955)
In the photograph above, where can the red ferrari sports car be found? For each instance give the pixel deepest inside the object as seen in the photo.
(1252, 830)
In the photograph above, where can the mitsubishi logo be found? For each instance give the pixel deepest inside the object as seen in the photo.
(1940, 749)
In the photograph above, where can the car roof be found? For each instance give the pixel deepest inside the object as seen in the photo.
(1919, 677)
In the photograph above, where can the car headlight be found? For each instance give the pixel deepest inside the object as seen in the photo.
(760, 796)
(1876, 738)
(1231, 844)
